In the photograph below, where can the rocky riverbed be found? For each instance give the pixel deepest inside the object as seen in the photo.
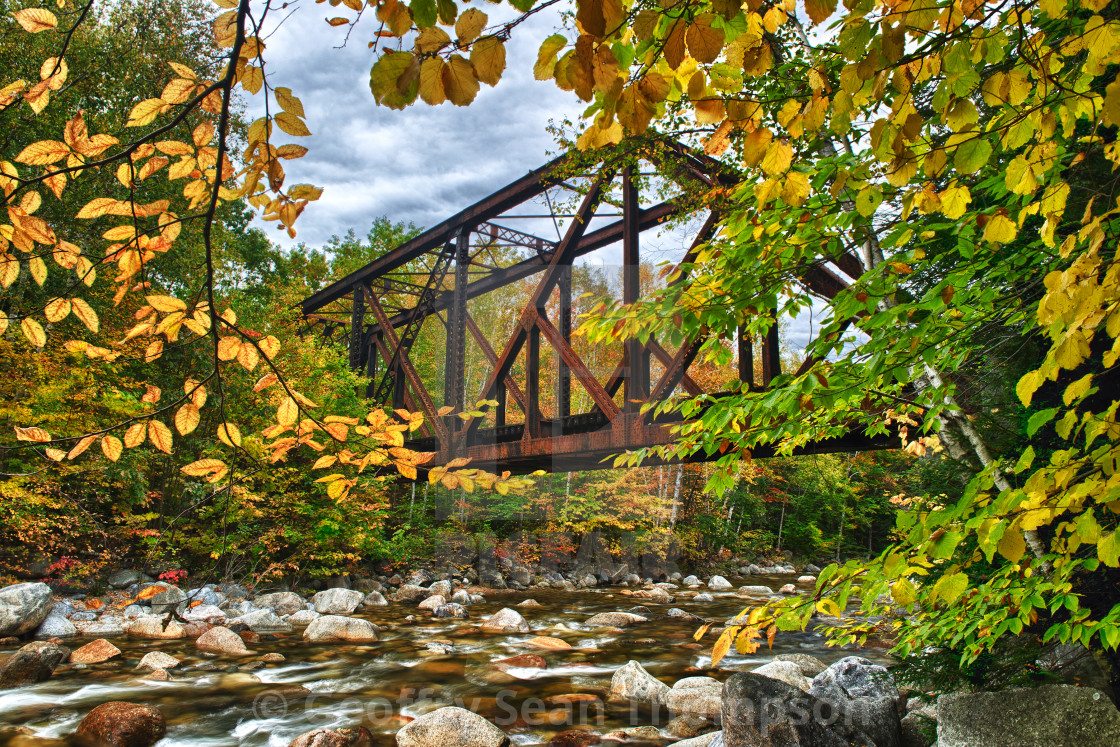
(432, 662)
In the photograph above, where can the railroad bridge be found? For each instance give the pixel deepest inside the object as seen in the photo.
(426, 286)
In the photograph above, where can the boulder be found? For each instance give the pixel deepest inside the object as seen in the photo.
(265, 621)
(204, 594)
(865, 694)
(461, 597)
(1051, 715)
(282, 602)
(696, 695)
(615, 620)
(409, 594)
(810, 666)
(375, 599)
(786, 671)
(95, 652)
(56, 626)
(505, 620)
(918, 730)
(451, 727)
(122, 578)
(221, 640)
(788, 589)
(442, 588)
(432, 602)
(719, 583)
(303, 617)
(157, 660)
(690, 581)
(166, 600)
(760, 711)
(24, 607)
(105, 626)
(153, 628)
(338, 629)
(337, 601)
(120, 724)
(632, 682)
(34, 662)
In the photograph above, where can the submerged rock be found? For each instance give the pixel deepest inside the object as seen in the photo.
(615, 620)
(548, 644)
(338, 629)
(451, 727)
(120, 724)
(23, 607)
(451, 611)
(505, 620)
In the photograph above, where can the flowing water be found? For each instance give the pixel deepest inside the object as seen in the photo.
(218, 700)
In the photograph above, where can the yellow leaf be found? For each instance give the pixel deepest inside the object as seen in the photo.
(80, 447)
(431, 39)
(459, 81)
(187, 418)
(33, 331)
(38, 270)
(225, 29)
(1000, 229)
(144, 112)
(1012, 545)
(57, 310)
(704, 42)
(166, 304)
(469, 25)
(291, 124)
(324, 462)
(248, 357)
(153, 351)
(43, 153)
(97, 207)
(270, 346)
(35, 20)
(820, 10)
(203, 467)
(290, 151)
(723, 644)
(252, 78)
(83, 311)
(228, 348)
(488, 58)
(152, 394)
(288, 412)
(288, 102)
(134, 436)
(431, 81)
(111, 447)
(265, 381)
(38, 435)
(229, 434)
(778, 157)
(177, 91)
(55, 455)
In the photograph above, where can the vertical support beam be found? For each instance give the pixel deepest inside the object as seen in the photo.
(500, 412)
(771, 361)
(563, 372)
(533, 382)
(637, 357)
(746, 357)
(357, 327)
(454, 390)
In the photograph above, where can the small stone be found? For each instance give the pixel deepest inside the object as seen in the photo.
(614, 620)
(451, 611)
(320, 738)
(375, 599)
(633, 682)
(272, 658)
(522, 661)
(451, 727)
(806, 579)
(548, 644)
(157, 660)
(95, 652)
(432, 602)
(788, 589)
(529, 603)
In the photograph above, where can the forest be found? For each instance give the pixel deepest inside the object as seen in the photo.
(165, 405)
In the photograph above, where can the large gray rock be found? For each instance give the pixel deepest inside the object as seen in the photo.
(409, 593)
(451, 727)
(505, 620)
(23, 607)
(168, 599)
(204, 594)
(106, 626)
(866, 694)
(696, 695)
(264, 621)
(282, 602)
(303, 617)
(56, 626)
(759, 711)
(615, 620)
(34, 662)
(155, 627)
(632, 682)
(786, 671)
(719, 583)
(338, 629)
(337, 601)
(1051, 715)
(810, 666)
(375, 599)
(222, 641)
(205, 613)
(714, 739)
(121, 579)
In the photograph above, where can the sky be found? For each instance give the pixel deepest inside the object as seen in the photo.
(424, 163)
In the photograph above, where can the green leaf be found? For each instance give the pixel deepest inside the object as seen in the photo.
(1039, 419)
(971, 155)
(1108, 549)
(868, 199)
(423, 12)
(1025, 459)
(391, 79)
(951, 587)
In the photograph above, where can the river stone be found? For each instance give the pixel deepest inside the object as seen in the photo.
(95, 652)
(688, 725)
(337, 601)
(320, 738)
(122, 578)
(866, 694)
(440, 588)
(265, 621)
(409, 593)
(548, 644)
(505, 620)
(633, 682)
(788, 589)
(703, 597)
(719, 583)
(806, 579)
(375, 599)
(918, 730)
(205, 613)
(303, 617)
(134, 611)
(338, 629)
(152, 627)
(432, 602)
(23, 607)
(281, 602)
(65, 608)
(756, 591)
(786, 671)
(1051, 715)
(759, 711)
(56, 626)
(691, 581)
(451, 727)
(810, 666)
(697, 695)
(204, 594)
(680, 614)
(715, 739)
(168, 599)
(614, 620)
(521, 661)
(461, 597)
(222, 641)
(105, 626)
(120, 724)
(34, 662)
(157, 660)
(456, 611)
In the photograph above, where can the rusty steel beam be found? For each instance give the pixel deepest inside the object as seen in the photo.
(583, 374)
(491, 356)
